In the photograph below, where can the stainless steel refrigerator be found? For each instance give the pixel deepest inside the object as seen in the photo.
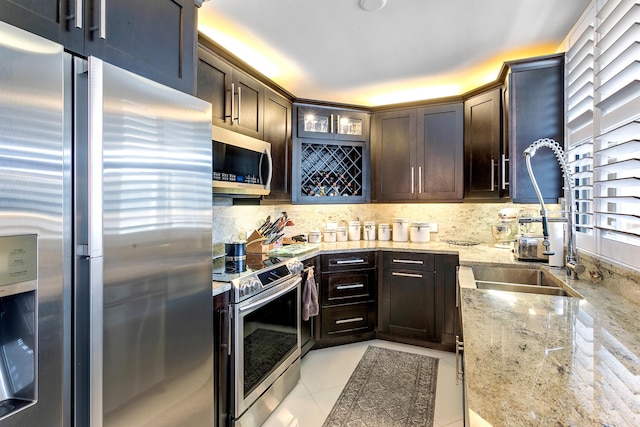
(105, 244)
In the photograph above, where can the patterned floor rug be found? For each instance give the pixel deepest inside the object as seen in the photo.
(389, 388)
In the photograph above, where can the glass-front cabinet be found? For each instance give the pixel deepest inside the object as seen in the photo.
(332, 123)
(330, 156)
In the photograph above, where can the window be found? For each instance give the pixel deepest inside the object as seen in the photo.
(603, 129)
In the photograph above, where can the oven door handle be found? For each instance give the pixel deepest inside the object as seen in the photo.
(271, 297)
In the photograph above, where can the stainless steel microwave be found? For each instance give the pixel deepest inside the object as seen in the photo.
(242, 165)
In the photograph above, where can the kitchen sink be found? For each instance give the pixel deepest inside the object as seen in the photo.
(517, 280)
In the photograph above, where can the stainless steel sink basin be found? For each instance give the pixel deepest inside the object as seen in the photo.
(517, 280)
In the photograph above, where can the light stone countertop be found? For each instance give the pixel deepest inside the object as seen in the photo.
(535, 360)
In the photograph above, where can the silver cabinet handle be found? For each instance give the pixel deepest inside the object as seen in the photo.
(419, 179)
(338, 123)
(457, 286)
(354, 286)
(103, 20)
(459, 348)
(350, 261)
(78, 13)
(417, 276)
(412, 178)
(408, 261)
(353, 319)
(233, 101)
(493, 174)
(504, 172)
(239, 103)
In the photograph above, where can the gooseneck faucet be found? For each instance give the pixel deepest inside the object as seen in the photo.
(571, 263)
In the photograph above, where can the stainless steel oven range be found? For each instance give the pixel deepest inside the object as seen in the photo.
(265, 310)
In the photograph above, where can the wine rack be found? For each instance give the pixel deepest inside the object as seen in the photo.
(332, 173)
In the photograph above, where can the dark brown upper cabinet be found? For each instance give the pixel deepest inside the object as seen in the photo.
(418, 153)
(153, 39)
(485, 161)
(236, 97)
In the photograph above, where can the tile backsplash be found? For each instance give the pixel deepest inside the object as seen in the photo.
(456, 221)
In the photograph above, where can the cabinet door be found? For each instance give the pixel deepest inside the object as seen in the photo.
(440, 155)
(277, 131)
(153, 39)
(393, 140)
(536, 110)
(249, 105)
(331, 123)
(51, 19)
(408, 304)
(483, 160)
(214, 76)
(221, 323)
(446, 312)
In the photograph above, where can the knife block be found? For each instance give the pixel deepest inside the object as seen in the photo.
(256, 245)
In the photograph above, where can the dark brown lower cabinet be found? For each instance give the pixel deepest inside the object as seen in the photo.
(347, 298)
(222, 377)
(417, 299)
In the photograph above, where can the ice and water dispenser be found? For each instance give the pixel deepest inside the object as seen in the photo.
(18, 320)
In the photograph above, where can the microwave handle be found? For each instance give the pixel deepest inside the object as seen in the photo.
(270, 160)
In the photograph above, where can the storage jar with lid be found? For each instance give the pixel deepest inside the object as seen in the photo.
(420, 231)
(341, 234)
(315, 236)
(329, 235)
(369, 230)
(354, 230)
(384, 232)
(400, 229)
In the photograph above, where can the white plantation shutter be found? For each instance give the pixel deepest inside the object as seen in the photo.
(603, 120)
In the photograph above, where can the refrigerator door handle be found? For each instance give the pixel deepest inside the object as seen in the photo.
(96, 341)
(94, 162)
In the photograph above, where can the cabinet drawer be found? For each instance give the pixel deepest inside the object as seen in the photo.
(348, 261)
(409, 261)
(348, 319)
(340, 288)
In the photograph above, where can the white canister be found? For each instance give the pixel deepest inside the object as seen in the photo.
(400, 229)
(315, 236)
(341, 234)
(354, 230)
(369, 230)
(384, 232)
(420, 231)
(329, 235)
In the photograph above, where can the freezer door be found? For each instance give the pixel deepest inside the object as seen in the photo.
(34, 285)
(149, 219)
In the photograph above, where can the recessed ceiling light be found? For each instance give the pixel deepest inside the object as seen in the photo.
(372, 5)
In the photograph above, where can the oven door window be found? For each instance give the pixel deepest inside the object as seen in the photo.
(270, 336)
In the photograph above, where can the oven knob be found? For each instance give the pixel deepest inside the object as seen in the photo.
(295, 266)
(249, 286)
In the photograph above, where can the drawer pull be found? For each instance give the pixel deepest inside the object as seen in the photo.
(350, 261)
(408, 261)
(354, 286)
(353, 319)
(417, 276)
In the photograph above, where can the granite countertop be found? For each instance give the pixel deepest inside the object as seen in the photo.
(547, 360)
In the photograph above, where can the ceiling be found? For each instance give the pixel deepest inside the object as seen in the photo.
(333, 50)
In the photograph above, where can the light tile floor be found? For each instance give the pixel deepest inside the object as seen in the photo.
(325, 372)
